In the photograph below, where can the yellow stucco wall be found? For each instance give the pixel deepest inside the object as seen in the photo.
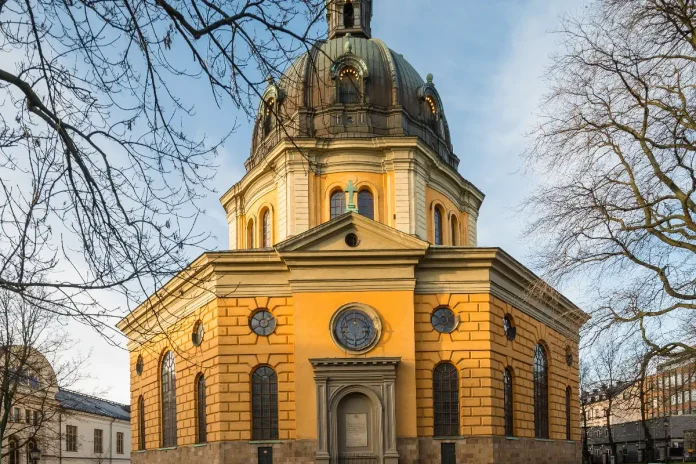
(481, 351)
(322, 186)
(433, 198)
(312, 321)
(230, 352)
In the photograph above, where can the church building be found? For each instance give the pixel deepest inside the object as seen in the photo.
(354, 319)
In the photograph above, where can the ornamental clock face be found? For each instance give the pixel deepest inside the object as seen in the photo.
(354, 330)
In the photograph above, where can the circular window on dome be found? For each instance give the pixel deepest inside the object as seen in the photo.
(509, 327)
(356, 328)
(262, 323)
(198, 334)
(444, 320)
(139, 365)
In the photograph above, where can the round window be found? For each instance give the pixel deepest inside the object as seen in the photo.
(198, 334)
(352, 240)
(356, 329)
(509, 327)
(443, 320)
(262, 323)
(139, 365)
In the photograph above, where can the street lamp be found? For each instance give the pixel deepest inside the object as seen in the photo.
(666, 425)
(35, 455)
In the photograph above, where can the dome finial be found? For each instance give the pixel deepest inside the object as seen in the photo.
(429, 78)
(348, 47)
(270, 80)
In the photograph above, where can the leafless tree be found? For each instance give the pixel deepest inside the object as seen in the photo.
(616, 143)
(33, 365)
(586, 386)
(100, 174)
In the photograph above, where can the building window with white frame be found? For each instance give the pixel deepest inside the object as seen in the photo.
(70, 438)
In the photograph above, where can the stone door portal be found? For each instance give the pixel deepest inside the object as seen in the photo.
(356, 429)
(356, 410)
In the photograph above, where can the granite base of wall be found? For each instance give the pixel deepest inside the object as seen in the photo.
(501, 450)
(470, 450)
(241, 452)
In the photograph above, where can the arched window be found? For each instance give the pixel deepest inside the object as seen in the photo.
(431, 114)
(338, 203)
(13, 451)
(567, 412)
(31, 445)
(200, 406)
(250, 234)
(438, 225)
(264, 404)
(366, 204)
(141, 423)
(268, 117)
(446, 400)
(168, 400)
(541, 393)
(266, 229)
(454, 230)
(348, 15)
(349, 86)
(507, 402)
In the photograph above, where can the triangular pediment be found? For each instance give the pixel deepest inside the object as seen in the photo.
(372, 237)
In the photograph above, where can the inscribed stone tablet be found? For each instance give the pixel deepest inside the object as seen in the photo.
(356, 430)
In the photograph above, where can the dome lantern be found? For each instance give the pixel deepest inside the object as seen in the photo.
(349, 17)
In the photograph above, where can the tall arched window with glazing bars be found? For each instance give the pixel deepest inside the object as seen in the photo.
(338, 203)
(366, 204)
(541, 392)
(13, 451)
(438, 225)
(454, 229)
(168, 400)
(567, 412)
(266, 232)
(507, 402)
(141, 423)
(264, 404)
(446, 400)
(200, 410)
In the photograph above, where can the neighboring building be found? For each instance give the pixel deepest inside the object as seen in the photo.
(65, 426)
(93, 430)
(354, 320)
(670, 412)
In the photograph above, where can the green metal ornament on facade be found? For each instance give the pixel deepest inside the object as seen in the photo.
(351, 190)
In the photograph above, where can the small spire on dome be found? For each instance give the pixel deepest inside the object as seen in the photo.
(270, 80)
(429, 78)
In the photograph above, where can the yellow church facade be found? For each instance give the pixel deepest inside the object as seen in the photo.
(353, 319)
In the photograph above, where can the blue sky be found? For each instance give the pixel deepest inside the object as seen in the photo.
(488, 58)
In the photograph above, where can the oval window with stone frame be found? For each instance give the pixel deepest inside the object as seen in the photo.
(198, 334)
(262, 323)
(139, 365)
(569, 356)
(509, 327)
(444, 320)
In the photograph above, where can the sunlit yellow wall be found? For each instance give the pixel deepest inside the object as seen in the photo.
(228, 356)
(434, 198)
(312, 320)
(322, 186)
(480, 351)
(254, 212)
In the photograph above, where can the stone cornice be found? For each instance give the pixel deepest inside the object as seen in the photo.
(492, 270)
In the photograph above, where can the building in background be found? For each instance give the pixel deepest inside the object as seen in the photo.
(93, 430)
(670, 407)
(354, 319)
(64, 426)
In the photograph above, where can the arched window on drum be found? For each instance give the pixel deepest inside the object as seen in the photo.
(437, 225)
(266, 229)
(366, 204)
(338, 203)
